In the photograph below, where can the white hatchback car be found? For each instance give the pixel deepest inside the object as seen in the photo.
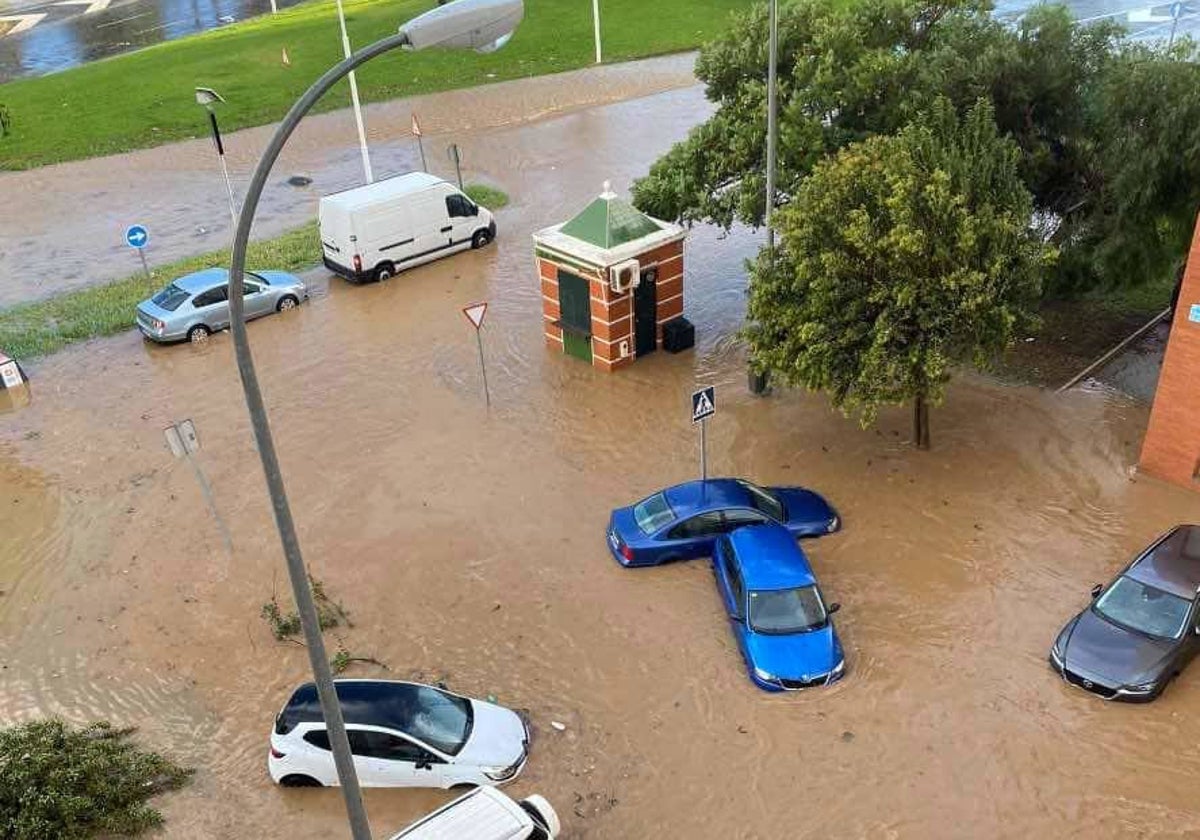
(402, 734)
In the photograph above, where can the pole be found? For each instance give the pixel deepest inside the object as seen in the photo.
(457, 163)
(358, 117)
(483, 368)
(315, 644)
(421, 147)
(145, 268)
(596, 24)
(216, 135)
(274, 8)
(772, 128)
(703, 451)
(1171, 40)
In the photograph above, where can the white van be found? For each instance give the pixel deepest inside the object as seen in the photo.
(374, 231)
(487, 814)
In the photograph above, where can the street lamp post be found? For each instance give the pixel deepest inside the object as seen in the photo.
(358, 118)
(208, 97)
(482, 25)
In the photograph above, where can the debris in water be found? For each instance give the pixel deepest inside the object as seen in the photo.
(560, 727)
(847, 736)
(299, 181)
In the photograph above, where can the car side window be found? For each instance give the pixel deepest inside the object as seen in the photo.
(251, 288)
(736, 588)
(703, 525)
(457, 206)
(738, 517)
(210, 297)
(390, 747)
(319, 738)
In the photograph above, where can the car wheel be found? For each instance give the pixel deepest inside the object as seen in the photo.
(481, 238)
(286, 302)
(199, 334)
(383, 271)
(299, 780)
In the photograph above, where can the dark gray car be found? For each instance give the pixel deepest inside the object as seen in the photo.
(1142, 629)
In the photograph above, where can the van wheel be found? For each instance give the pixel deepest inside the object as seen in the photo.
(199, 334)
(286, 302)
(299, 780)
(481, 238)
(383, 271)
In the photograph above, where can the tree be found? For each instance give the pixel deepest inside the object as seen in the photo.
(901, 256)
(72, 784)
(1107, 130)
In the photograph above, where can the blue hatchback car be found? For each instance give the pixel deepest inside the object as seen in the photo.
(683, 522)
(781, 622)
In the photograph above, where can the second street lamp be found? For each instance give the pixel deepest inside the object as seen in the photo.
(482, 25)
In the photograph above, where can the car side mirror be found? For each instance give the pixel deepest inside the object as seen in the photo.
(424, 764)
(474, 209)
(834, 607)
(1097, 589)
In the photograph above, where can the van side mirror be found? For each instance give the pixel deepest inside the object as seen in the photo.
(1097, 589)
(474, 209)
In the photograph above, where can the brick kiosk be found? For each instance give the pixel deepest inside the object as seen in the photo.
(611, 277)
(1171, 449)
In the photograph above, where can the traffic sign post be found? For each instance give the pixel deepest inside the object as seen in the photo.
(137, 237)
(454, 155)
(416, 130)
(704, 405)
(475, 313)
(1176, 14)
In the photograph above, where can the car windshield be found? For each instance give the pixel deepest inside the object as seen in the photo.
(653, 513)
(170, 298)
(441, 720)
(778, 611)
(1135, 605)
(764, 500)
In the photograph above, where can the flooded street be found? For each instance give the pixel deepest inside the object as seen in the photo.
(468, 546)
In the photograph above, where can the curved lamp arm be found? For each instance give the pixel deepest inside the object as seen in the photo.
(343, 761)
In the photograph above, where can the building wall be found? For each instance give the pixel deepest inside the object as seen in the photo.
(612, 314)
(1171, 449)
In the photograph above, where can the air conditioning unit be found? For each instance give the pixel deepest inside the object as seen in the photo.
(624, 276)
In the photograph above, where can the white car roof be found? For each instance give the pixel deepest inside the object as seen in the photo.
(388, 188)
(483, 814)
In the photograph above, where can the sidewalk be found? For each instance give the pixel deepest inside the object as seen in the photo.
(64, 230)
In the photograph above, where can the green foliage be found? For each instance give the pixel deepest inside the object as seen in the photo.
(1109, 132)
(77, 113)
(5, 121)
(489, 197)
(72, 784)
(901, 256)
(35, 329)
(283, 625)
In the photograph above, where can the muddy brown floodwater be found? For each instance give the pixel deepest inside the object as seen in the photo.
(468, 546)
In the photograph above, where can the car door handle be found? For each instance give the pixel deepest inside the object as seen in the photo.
(448, 228)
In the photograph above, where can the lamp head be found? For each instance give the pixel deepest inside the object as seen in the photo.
(207, 96)
(480, 25)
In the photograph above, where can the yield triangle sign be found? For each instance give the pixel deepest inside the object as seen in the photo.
(475, 313)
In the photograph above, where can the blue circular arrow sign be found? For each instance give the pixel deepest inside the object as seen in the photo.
(1176, 10)
(137, 236)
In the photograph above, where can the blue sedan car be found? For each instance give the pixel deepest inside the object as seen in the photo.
(779, 618)
(683, 522)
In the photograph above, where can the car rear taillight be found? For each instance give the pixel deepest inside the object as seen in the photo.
(159, 326)
(357, 263)
(627, 553)
(276, 753)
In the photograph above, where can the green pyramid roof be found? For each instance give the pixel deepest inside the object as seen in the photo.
(608, 222)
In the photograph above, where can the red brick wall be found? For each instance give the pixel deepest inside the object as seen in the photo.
(1171, 449)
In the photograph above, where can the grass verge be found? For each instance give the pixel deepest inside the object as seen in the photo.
(43, 327)
(82, 112)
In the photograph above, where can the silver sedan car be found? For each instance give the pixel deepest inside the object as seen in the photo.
(197, 305)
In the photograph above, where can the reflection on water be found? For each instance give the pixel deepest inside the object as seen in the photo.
(468, 546)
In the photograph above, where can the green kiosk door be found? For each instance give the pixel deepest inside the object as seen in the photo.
(574, 303)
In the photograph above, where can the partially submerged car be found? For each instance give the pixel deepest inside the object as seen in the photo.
(1141, 630)
(402, 734)
(683, 522)
(779, 617)
(487, 814)
(195, 306)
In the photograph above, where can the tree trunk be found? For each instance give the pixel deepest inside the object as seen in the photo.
(921, 422)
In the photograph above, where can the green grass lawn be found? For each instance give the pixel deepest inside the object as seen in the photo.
(36, 329)
(146, 98)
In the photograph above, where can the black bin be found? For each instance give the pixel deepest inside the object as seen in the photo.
(678, 335)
